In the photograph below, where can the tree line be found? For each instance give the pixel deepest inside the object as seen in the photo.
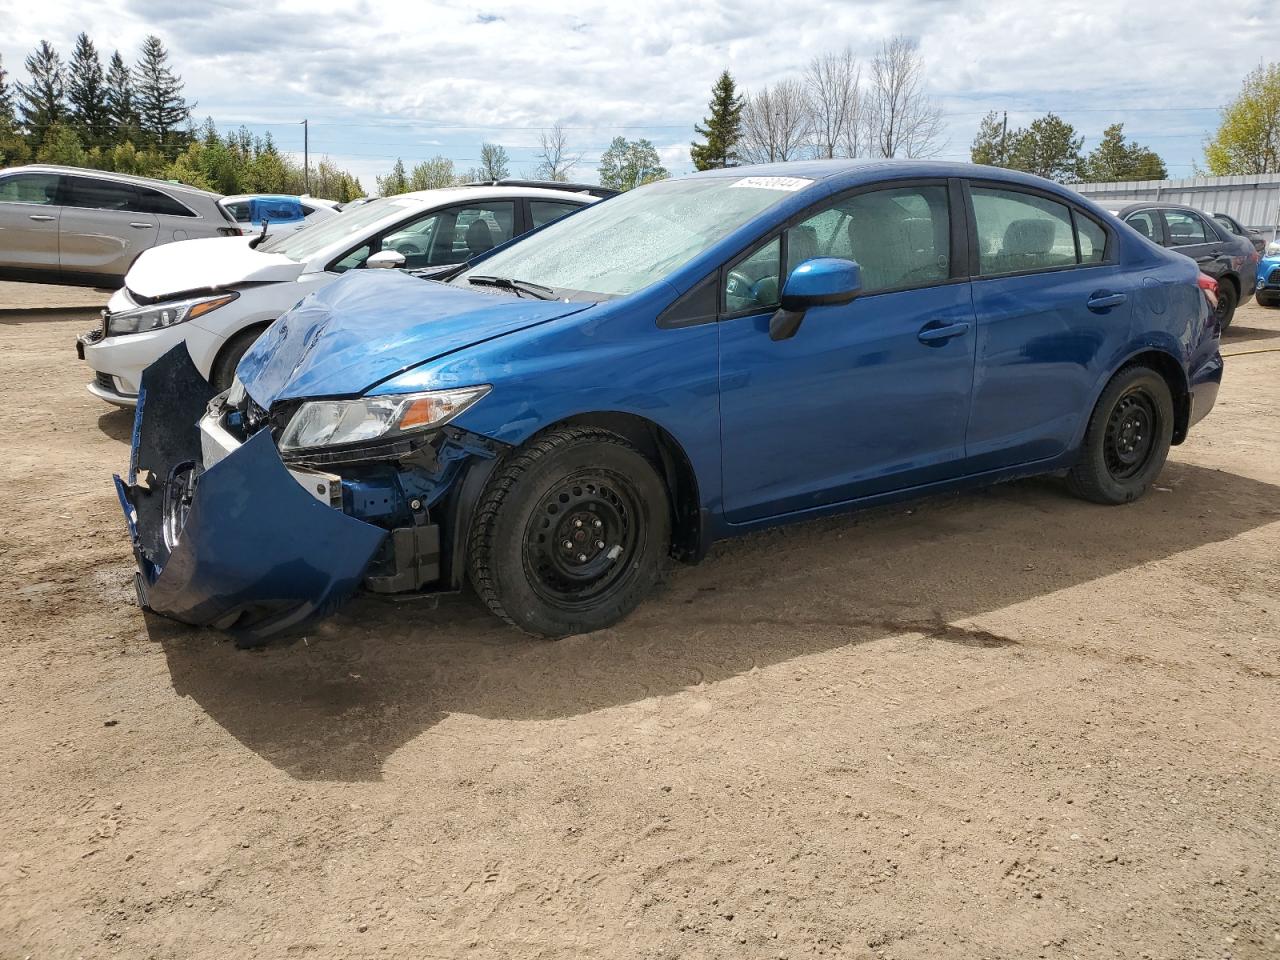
(1050, 147)
(136, 119)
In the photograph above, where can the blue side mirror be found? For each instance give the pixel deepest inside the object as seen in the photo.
(825, 281)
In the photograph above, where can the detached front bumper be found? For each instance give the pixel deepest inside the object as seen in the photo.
(227, 536)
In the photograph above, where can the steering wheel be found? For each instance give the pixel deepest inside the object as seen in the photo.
(407, 248)
(740, 287)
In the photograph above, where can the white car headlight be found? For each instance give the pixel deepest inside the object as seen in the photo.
(326, 423)
(165, 314)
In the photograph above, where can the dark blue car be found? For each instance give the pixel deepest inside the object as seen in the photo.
(682, 363)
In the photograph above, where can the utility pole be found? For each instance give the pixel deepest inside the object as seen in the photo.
(306, 158)
(1004, 135)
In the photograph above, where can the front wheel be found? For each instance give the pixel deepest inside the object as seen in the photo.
(1227, 301)
(571, 533)
(224, 368)
(1128, 438)
(1268, 300)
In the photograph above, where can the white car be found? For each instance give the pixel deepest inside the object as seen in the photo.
(314, 209)
(220, 294)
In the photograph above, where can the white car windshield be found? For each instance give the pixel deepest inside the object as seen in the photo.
(614, 248)
(303, 244)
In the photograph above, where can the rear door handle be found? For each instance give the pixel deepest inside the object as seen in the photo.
(940, 335)
(42, 217)
(1102, 301)
(141, 226)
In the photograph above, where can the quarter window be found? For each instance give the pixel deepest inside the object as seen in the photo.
(153, 201)
(1184, 229)
(29, 188)
(1019, 232)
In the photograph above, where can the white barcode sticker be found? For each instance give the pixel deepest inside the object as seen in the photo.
(790, 184)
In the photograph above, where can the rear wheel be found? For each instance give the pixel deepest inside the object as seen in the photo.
(1128, 438)
(1268, 300)
(1227, 300)
(224, 368)
(571, 534)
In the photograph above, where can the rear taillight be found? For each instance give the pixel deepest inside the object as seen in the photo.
(1210, 288)
(230, 232)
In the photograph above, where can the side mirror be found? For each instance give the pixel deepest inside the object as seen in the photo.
(826, 281)
(386, 260)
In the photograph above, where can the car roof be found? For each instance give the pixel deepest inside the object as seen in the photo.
(444, 195)
(1123, 205)
(155, 184)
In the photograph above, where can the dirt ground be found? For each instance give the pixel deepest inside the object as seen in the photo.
(1001, 725)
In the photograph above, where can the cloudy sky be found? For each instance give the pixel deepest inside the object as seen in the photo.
(381, 80)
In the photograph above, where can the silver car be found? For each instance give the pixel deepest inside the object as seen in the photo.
(86, 227)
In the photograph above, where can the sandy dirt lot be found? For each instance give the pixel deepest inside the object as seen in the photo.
(1008, 724)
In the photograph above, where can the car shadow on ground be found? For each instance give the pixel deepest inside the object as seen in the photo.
(117, 423)
(1240, 335)
(337, 703)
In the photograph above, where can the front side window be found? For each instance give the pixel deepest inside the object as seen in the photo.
(1184, 229)
(1018, 232)
(752, 282)
(301, 245)
(620, 245)
(29, 188)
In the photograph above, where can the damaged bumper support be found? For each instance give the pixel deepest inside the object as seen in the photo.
(226, 535)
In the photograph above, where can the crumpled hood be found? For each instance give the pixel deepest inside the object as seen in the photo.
(207, 264)
(374, 324)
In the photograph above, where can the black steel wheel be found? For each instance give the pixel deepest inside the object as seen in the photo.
(572, 531)
(1127, 439)
(1225, 311)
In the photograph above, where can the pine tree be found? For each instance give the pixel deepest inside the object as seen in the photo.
(397, 181)
(13, 149)
(991, 145)
(1116, 158)
(120, 99)
(722, 129)
(162, 110)
(6, 98)
(87, 93)
(41, 101)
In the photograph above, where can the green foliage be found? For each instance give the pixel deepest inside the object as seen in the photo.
(87, 93)
(493, 162)
(163, 113)
(40, 102)
(61, 145)
(122, 111)
(722, 129)
(991, 145)
(397, 181)
(432, 175)
(1115, 158)
(628, 164)
(1049, 148)
(1248, 138)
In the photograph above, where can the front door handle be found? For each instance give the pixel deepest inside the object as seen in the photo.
(42, 217)
(1102, 301)
(140, 226)
(936, 336)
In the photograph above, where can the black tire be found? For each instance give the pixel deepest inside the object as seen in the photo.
(1127, 441)
(581, 486)
(1268, 301)
(1227, 301)
(224, 368)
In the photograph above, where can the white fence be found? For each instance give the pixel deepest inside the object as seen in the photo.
(1254, 200)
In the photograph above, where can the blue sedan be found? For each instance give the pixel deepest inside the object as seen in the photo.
(682, 363)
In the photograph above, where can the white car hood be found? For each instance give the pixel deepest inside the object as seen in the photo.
(212, 263)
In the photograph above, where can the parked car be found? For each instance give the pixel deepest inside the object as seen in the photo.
(690, 360)
(1232, 225)
(86, 227)
(1221, 254)
(218, 296)
(591, 189)
(280, 212)
(1268, 281)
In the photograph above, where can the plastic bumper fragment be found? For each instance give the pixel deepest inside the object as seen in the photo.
(249, 550)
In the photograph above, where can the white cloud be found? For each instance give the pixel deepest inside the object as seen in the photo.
(413, 80)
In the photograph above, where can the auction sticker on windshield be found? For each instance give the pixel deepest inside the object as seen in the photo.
(774, 183)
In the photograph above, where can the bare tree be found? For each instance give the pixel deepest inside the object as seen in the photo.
(775, 124)
(554, 159)
(833, 98)
(903, 119)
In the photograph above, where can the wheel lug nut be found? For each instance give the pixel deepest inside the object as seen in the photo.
(568, 544)
(582, 558)
(577, 523)
(599, 544)
(597, 524)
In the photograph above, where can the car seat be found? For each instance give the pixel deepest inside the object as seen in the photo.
(479, 238)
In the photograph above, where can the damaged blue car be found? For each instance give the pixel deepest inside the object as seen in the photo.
(682, 363)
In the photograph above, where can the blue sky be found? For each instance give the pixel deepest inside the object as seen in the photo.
(379, 81)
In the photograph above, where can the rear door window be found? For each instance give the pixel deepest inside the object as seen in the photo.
(1093, 239)
(39, 188)
(1021, 232)
(544, 211)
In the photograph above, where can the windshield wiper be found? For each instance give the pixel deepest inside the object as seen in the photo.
(518, 287)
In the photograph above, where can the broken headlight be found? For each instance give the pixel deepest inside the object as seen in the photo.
(327, 423)
(165, 314)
